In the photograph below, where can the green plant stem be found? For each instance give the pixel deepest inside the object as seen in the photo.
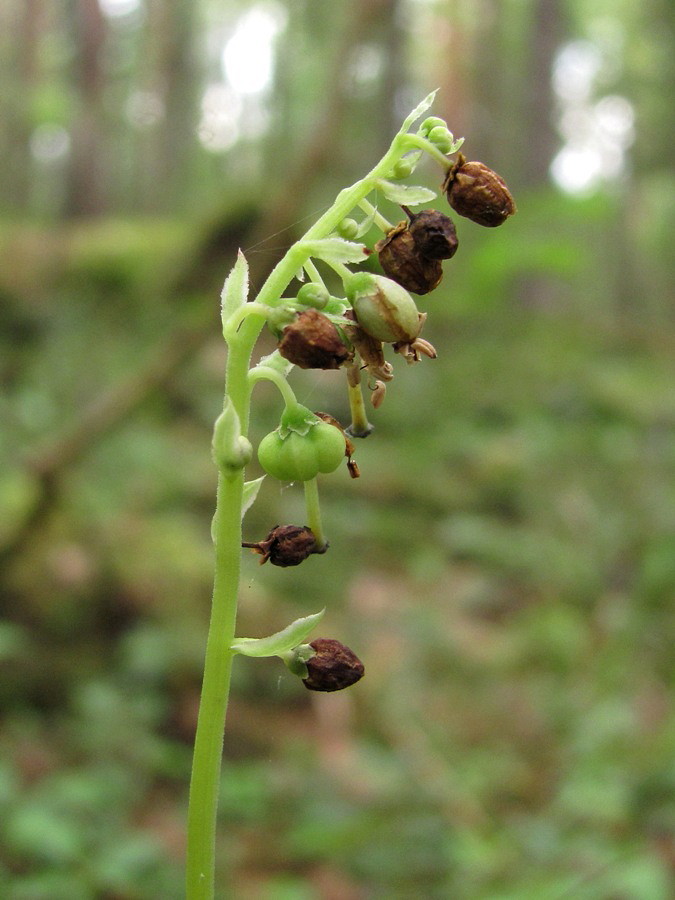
(260, 373)
(348, 198)
(342, 270)
(378, 219)
(313, 272)
(215, 692)
(360, 426)
(314, 511)
(200, 879)
(204, 784)
(249, 309)
(416, 140)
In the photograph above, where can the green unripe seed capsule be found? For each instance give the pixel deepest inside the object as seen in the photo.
(301, 457)
(402, 169)
(348, 228)
(430, 123)
(383, 309)
(313, 294)
(330, 445)
(441, 137)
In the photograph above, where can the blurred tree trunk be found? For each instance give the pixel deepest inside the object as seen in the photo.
(502, 54)
(651, 86)
(512, 53)
(170, 43)
(648, 207)
(486, 76)
(452, 68)
(533, 145)
(540, 140)
(329, 130)
(391, 39)
(86, 193)
(21, 75)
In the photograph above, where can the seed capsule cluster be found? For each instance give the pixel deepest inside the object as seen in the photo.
(316, 330)
(411, 252)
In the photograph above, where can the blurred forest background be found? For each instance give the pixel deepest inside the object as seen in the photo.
(505, 566)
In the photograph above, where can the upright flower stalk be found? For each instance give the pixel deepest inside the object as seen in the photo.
(316, 329)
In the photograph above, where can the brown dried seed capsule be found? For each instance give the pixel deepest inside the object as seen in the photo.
(434, 234)
(333, 668)
(287, 545)
(313, 342)
(478, 193)
(402, 261)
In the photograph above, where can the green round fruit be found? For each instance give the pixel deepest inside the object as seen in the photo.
(300, 457)
(330, 445)
(441, 137)
(313, 294)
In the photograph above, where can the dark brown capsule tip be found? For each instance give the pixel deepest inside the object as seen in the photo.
(434, 234)
(477, 193)
(313, 342)
(333, 667)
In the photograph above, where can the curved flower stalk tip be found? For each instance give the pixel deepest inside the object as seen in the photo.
(347, 331)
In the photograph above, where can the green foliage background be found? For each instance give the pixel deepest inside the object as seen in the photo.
(505, 566)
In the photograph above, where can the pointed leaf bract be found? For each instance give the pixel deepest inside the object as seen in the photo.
(281, 642)
(251, 489)
(336, 250)
(404, 194)
(235, 289)
(419, 110)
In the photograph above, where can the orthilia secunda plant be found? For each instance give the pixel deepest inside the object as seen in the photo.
(327, 311)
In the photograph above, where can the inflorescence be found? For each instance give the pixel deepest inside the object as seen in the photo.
(349, 330)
